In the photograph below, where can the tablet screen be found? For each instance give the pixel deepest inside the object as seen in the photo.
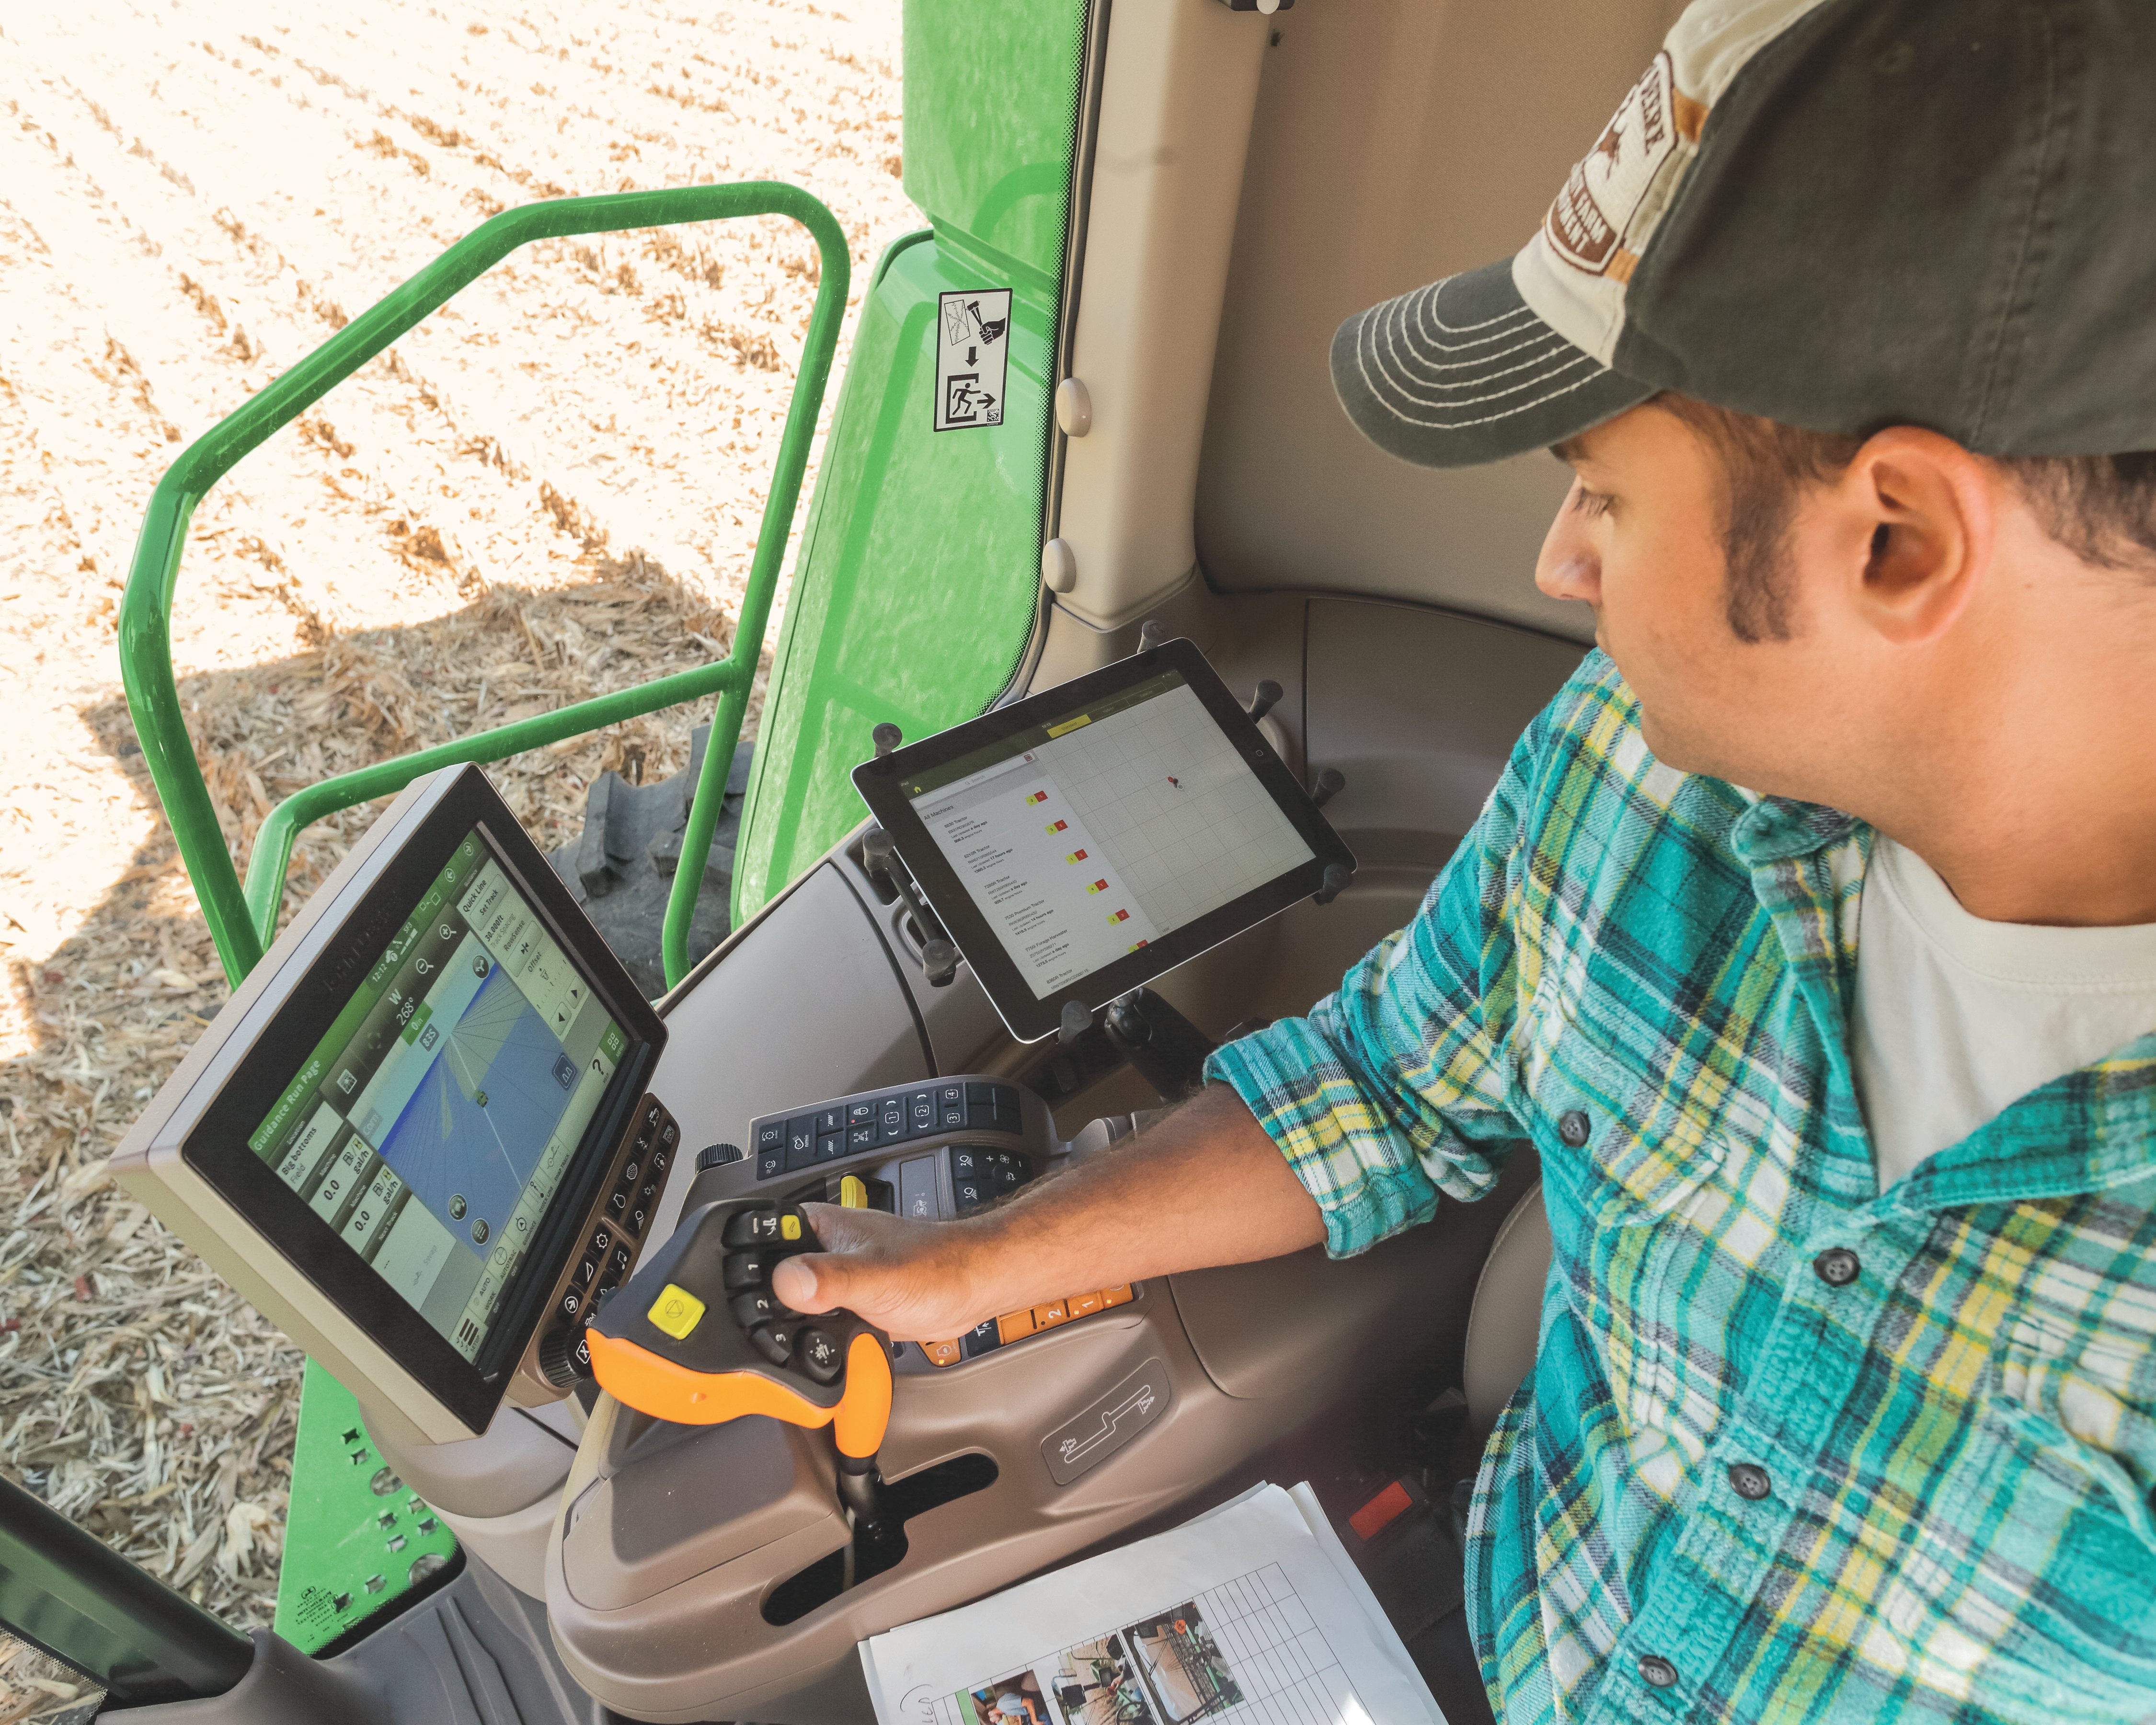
(1105, 828)
(432, 1126)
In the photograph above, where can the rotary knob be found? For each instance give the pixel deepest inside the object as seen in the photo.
(565, 1357)
(716, 1156)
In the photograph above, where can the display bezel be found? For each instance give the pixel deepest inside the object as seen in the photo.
(217, 1147)
(1029, 1016)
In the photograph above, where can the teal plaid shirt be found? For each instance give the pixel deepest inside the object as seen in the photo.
(1648, 975)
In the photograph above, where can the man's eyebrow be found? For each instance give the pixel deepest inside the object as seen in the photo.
(1572, 451)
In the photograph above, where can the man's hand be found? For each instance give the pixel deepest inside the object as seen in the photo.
(1204, 1186)
(914, 1280)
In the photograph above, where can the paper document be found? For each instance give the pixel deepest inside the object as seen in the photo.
(1254, 1614)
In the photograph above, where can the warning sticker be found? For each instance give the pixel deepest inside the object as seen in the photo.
(972, 355)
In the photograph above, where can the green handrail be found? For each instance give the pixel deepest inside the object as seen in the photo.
(242, 921)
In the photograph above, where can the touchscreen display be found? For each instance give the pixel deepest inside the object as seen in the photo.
(1103, 829)
(432, 1126)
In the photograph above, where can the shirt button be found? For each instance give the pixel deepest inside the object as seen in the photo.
(1750, 1482)
(1572, 1127)
(1658, 1670)
(1836, 1266)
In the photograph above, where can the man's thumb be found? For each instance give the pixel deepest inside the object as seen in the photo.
(808, 1282)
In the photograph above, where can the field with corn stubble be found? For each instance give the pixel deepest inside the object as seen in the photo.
(551, 489)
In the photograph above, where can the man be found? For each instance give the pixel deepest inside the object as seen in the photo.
(1810, 935)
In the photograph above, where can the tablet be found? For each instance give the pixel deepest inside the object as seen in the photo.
(1084, 840)
(401, 1129)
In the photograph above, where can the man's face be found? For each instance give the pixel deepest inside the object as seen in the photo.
(1638, 539)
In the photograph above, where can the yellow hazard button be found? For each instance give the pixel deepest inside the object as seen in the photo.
(676, 1311)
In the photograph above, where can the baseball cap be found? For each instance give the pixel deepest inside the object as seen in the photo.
(1840, 215)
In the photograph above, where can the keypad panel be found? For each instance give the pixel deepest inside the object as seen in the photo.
(800, 1141)
(1017, 1326)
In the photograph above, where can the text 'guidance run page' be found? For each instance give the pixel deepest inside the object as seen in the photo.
(1101, 832)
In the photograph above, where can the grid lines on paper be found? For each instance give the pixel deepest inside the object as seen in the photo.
(1175, 808)
(1279, 1659)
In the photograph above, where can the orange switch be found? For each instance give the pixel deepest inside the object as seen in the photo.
(941, 1353)
(1015, 1326)
(1047, 1317)
(1116, 1297)
(1085, 1305)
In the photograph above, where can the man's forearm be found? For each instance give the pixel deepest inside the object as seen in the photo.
(1204, 1186)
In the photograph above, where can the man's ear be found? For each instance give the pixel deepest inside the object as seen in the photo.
(1924, 509)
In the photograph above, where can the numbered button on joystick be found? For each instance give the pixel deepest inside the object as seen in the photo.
(818, 1355)
(741, 1271)
(774, 1345)
(755, 1307)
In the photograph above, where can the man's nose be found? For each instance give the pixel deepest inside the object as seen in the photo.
(1569, 567)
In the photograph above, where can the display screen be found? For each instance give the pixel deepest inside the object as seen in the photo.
(1103, 828)
(432, 1126)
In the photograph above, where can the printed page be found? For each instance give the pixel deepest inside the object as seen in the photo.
(1243, 1615)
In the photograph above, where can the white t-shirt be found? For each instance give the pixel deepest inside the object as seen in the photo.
(1956, 1017)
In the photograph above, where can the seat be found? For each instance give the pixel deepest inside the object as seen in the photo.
(1504, 1321)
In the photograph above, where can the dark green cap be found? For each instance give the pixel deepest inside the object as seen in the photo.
(1840, 215)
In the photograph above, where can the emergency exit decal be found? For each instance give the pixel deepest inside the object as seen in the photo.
(973, 356)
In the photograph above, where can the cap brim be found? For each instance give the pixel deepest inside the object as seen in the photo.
(1463, 371)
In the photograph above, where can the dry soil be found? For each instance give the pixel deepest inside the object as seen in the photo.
(550, 489)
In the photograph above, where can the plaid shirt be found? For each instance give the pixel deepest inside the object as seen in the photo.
(1791, 1448)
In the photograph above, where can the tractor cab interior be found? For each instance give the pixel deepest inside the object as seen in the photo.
(1244, 180)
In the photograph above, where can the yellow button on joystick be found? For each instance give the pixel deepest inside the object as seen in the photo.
(676, 1311)
(789, 1228)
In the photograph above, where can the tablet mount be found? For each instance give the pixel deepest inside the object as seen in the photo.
(880, 857)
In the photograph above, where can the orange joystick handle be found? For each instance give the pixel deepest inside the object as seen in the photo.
(695, 1338)
(864, 1412)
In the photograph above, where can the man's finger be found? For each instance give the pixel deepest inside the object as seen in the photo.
(806, 1283)
(839, 1229)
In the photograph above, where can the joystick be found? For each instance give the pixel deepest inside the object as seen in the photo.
(696, 1337)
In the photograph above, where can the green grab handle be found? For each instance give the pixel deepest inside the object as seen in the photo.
(242, 921)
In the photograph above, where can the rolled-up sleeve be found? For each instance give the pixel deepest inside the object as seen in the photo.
(1398, 1086)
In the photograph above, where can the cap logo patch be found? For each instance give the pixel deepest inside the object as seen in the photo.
(1586, 224)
